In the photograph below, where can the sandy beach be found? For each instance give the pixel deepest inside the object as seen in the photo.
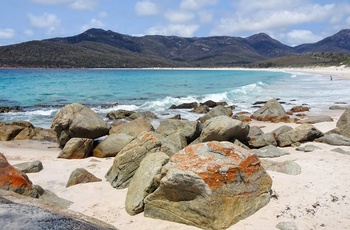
(318, 198)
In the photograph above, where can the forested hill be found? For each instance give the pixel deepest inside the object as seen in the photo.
(97, 48)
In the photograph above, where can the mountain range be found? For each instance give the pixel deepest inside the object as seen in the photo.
(98, 48)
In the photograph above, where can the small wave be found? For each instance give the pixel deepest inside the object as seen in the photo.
(167, 102)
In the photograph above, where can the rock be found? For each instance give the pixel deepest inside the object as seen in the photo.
(112, 144)
(119, 114)
(304, 132)
(190, 130)
(340, 150)
(343, 130)
(14, 180)
(133, 128)
(35, 133)
(76, 120)
(146, 114)
(344, 119)
(210, 185)
(338, 107)
(8, 132)
(190, 105)
(287, 225)
(216, 111)
(15, 213)
(287, 167)
(201, 109)
(298, 109)
(77, 148)
(254, 131)
(143, 183)
(79, 176)
(315, 119)
(281, 130)
(7, 109)
(272, 111)
(212, 104)
(224, 128)
(308, 148)
(270, 152)
(29, 167)
(129, 158)
(262, 140)
(335, 139)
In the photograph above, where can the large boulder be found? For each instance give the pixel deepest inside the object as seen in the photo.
(216, 111)
(129, 158)
(262, 140)
(8, 132)
(112, 144)
(77, 148)
(133, 128)
(210, 185)
(143, 182)
(224, 128)
(76, 120)
(14, 180)
(302, 133)
(190, 130)
(272, 111)
(344, 118)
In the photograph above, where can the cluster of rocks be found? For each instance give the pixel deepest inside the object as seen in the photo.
(205, 173)
(23, 130)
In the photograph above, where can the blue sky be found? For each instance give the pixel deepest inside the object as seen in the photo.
(293, 22)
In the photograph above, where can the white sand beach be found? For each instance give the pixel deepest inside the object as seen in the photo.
(318, 198)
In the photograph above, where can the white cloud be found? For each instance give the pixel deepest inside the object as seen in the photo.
(196, 4)
(263, 20)
(146, 8)
(7, 33)
(205, 17)
(297, 37)
(45, 20)
(179, 17)
(74, 4)
(174, 29)
(94, 23)
(103, 14)
(29, 32)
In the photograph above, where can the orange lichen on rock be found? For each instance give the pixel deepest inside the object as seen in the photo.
(217, 163)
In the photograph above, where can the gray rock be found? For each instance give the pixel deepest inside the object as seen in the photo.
(216, 111)
(271, 111)
(145, 114)
(315, 119)
(8, 132)
(302, 133)
(29, 167)
(335, 139)
(35, 133)
(286, 167)
(81, 175)
(262, 140)
(343, 130)
(133, 128)
(344, 118)
(129, 158)
(224, 128)
(143, 183)
(340, 150)
(270, 152)
(254, 131)
(308, 148)
(76, 120)
(111, 145)
(210, 185)
(281, 130)
(77, 148)
(287, 225)
(119, 114)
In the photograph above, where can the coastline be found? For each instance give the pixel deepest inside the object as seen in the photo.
(315, 199)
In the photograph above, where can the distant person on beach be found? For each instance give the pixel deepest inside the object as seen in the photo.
(331, 78)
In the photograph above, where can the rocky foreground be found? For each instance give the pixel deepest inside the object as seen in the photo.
(208, 173)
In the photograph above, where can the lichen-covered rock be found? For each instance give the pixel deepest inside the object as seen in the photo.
(210, 185)
(76, 120)
(143, 182)
(77, 148)
(129, 158)
(14, 180)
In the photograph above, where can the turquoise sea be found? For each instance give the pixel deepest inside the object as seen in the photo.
(41, 92)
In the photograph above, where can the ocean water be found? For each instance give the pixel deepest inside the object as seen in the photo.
(41, 92)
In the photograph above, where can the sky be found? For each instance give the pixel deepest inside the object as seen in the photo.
(292, 22)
